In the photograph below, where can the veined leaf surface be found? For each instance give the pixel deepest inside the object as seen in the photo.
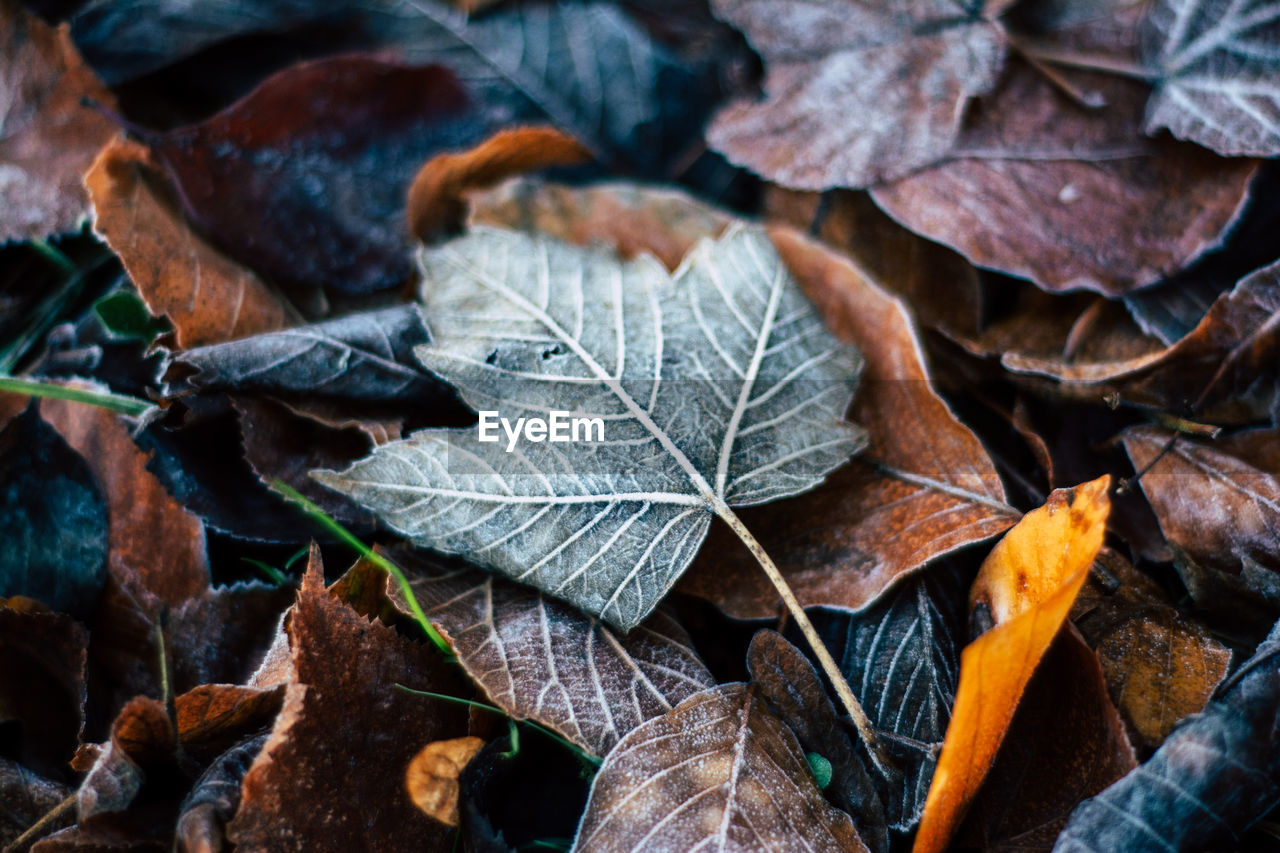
(717, 386)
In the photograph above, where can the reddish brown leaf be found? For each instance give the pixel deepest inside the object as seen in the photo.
(208, 297)
(924, 486)
(49, 135)
(437, 197)
(1073, 221)
(432, 777)
(1160, 666)
(1219, 504)
(331, 774)
(213, 717)
(1066, 743)
(1026, 587)
(144, 731)
(857, 93)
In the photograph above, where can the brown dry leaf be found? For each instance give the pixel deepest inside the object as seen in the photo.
(330, 775)
(1066, 743)
(1039, 203)
(1025, 587)
(27, 797)
(1160, 666)
(923, 487)
(437, 205)
(48, 137)
(1219, 504)
(208, 297)
(857, 93)
(718, 770)
(664, 223)
(211, 718)
(538, 658)
(432, 777)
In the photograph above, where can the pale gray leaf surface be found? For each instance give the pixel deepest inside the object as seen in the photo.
(537, 658)
(856, 93)
(718, 772)
(716, 385)
(1212, 778)
(1218, 67)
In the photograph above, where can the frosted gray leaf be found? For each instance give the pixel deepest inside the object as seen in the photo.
(1218, 73)
(857, 93)
(715, 386)
(538, 658)
(717, 772)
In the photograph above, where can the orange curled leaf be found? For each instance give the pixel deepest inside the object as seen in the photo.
(1027, 585)
(432, 776)
(437, 206)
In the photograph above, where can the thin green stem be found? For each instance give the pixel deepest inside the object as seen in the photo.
(106, 399)
(54, 255)
(330, 524)
(582, 754)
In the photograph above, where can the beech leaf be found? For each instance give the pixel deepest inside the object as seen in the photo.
(1217, 82)
(716, 772)
(717, 386)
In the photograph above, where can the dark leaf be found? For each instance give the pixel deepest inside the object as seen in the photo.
(1213, 777)
(52, 518)
(27, 797)
(718, 770)
(214, 799)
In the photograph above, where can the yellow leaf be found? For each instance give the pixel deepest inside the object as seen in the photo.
(1026, 585)
(432, 776)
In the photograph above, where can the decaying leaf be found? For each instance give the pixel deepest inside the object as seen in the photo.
(1160, 666)
(540, 659)
(524, 325)
(437, 203)
(53, 518)
(27, 797)
(1025, 587)
(1216, 77)
(923, 488)
(1220, 505)
(792, 687)
(208, 297)
(857, 93)
(1213, 777)
(48, 136)
(432, 777)
(214, 798)
(718, 771)
(331, 773)
(1066, 742)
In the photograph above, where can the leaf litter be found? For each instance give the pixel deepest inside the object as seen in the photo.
(1036, 259)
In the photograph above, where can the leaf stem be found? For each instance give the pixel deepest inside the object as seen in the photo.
(329, 523)
(860, 719)
(105, 399)
(1083, 60)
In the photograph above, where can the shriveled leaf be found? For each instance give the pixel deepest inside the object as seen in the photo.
(48, 136)
(331, 773)
(53, 519)
(718, 771)
(1216, 80)
(432, 777)
(205, 812)
(1066, 742)
(1035, 206)
(208, 297)
(360, 358)
(793, 688)
(923, 488)
(1213, 777)
(43, 659)
(324, 149)
(1026, 587)
(901, 656)
(524, 325)
(538, 658)
(857, 93)
(437, 197)
(1160, 665)
(1220, 505)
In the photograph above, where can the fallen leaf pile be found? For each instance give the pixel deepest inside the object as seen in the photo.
(593, 425)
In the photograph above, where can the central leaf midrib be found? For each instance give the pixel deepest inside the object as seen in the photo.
(700, 484)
